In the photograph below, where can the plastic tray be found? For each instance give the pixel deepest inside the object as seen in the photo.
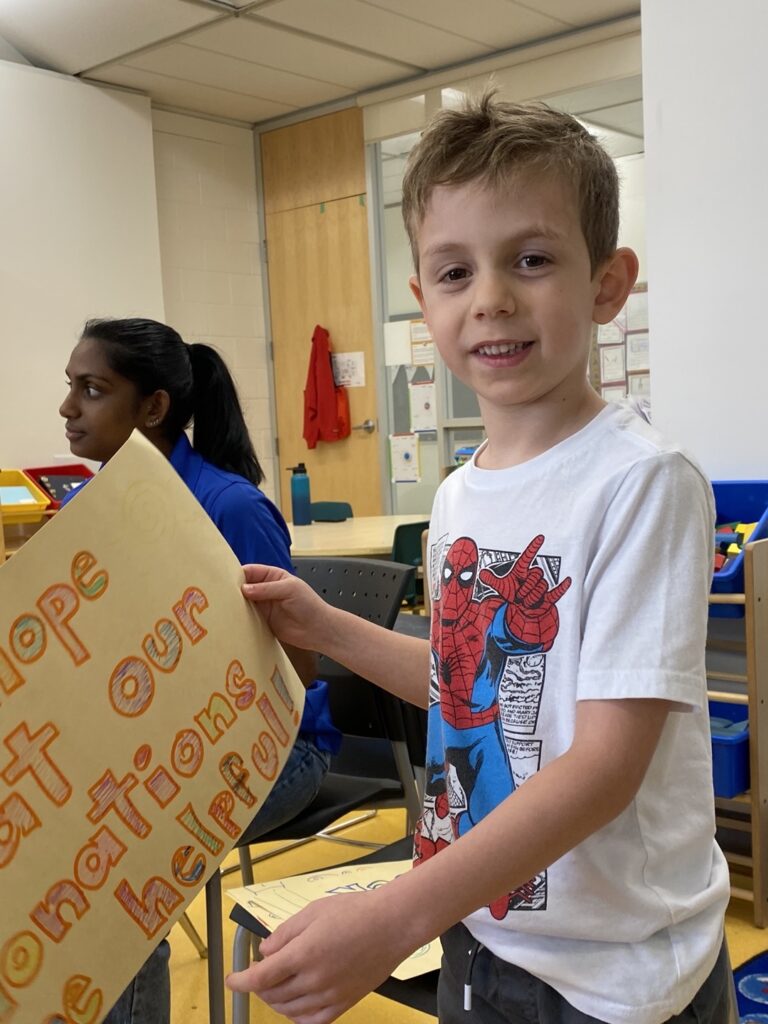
(21, 499)
(744, 501)
(64, 471)
(730, 751)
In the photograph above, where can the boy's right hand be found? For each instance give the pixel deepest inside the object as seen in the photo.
(291, 609)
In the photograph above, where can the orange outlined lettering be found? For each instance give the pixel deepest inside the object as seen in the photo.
(221, 807)
(270, 716)
(17, 819)
(235, 774)
(219, 710)
(48, 915)
(58, 604)
(31, 755)
(28, 638)
(166, 658)
(8, 1006)
(80, 1005)
(146, 909)
(161, 786)
(93, 588)
(96, 859)
(240, 686)
(10, 678)
(109, 794)
(264, 756)
(187, 753)
(192, 600)
(131, 687)
(190, 821)
(282, 690)
(21, 958)
(180, 860)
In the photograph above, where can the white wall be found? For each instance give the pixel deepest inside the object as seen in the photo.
(210, 251)
(79, 239)
(707, 220)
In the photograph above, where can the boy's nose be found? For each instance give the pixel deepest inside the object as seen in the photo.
(493, 296)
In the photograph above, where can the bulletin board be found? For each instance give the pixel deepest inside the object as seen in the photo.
(619, 359)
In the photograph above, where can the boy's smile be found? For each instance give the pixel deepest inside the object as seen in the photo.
(506, 287)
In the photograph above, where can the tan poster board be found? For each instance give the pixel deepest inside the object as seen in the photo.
(145, 712)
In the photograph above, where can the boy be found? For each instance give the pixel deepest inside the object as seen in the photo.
(569, 793)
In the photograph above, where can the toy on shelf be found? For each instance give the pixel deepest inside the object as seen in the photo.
(58, 481)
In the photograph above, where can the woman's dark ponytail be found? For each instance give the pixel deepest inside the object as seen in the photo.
(154, 357)
(219, 430)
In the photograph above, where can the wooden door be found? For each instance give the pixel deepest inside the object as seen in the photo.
(319, 273)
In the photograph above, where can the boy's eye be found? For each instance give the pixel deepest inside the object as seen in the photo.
(533, 262)
(454, 274)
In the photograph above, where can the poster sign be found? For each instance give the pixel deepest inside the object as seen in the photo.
(145, 712)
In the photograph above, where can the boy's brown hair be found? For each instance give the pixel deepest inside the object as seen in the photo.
(489, 141)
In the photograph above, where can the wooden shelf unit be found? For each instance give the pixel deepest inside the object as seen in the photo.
(742, 645)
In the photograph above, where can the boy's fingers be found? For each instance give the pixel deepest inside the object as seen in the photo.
(259, 977)
(261, 573)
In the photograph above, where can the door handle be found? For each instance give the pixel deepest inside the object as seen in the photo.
(367, 425)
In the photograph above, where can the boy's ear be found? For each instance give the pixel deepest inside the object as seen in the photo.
(415, 286)
(615, 280)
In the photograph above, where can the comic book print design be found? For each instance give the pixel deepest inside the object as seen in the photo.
(494, 619)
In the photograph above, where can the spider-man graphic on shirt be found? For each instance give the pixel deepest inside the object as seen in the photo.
(482, 618)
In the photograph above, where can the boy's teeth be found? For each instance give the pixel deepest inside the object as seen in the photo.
(501, 350)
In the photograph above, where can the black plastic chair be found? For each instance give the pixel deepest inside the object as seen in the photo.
(374, 590)
(406, 548)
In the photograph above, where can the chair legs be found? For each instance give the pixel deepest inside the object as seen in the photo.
(213, 912)
(241, 1001)
(192, 934)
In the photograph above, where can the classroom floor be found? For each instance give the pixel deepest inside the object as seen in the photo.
(189, 989)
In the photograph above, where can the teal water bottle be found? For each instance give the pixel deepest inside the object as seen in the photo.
(300, 501)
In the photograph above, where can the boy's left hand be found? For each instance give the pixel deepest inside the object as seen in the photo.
(326, 958)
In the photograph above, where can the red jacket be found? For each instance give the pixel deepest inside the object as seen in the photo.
(326, 407)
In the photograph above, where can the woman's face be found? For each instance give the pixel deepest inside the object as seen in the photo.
(101, 408)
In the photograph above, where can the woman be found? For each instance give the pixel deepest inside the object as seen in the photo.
(140, 374)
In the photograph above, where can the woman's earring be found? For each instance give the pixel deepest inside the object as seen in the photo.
(153, 423)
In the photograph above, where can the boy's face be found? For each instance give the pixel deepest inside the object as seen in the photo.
(506, 288)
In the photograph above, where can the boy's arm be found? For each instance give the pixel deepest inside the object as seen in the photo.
(335, 951)
(300, 618)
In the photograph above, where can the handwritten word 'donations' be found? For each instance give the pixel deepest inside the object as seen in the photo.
(122, 801)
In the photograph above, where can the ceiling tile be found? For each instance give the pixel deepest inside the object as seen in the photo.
(499, 24)
(375, 31)
(585, 12)
(623, 117)
(273, 46)
(73, 35)
(175, 92)
(192, 64)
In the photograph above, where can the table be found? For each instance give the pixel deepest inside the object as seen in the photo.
(358, 537)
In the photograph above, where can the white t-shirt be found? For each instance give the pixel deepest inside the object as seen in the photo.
(627, 925)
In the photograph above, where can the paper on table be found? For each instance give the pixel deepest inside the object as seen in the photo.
(134, 680)
(274, 902)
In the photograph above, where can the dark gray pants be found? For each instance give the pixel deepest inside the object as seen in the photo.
(505, 994)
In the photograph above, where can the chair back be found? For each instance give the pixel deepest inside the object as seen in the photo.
(330, 511)
(406, 548)
(374, 590)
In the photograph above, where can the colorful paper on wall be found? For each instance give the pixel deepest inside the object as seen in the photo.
(145, 712)
(404, 458)
(423, 409)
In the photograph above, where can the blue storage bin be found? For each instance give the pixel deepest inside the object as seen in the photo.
(744, 501)
(730, 747)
